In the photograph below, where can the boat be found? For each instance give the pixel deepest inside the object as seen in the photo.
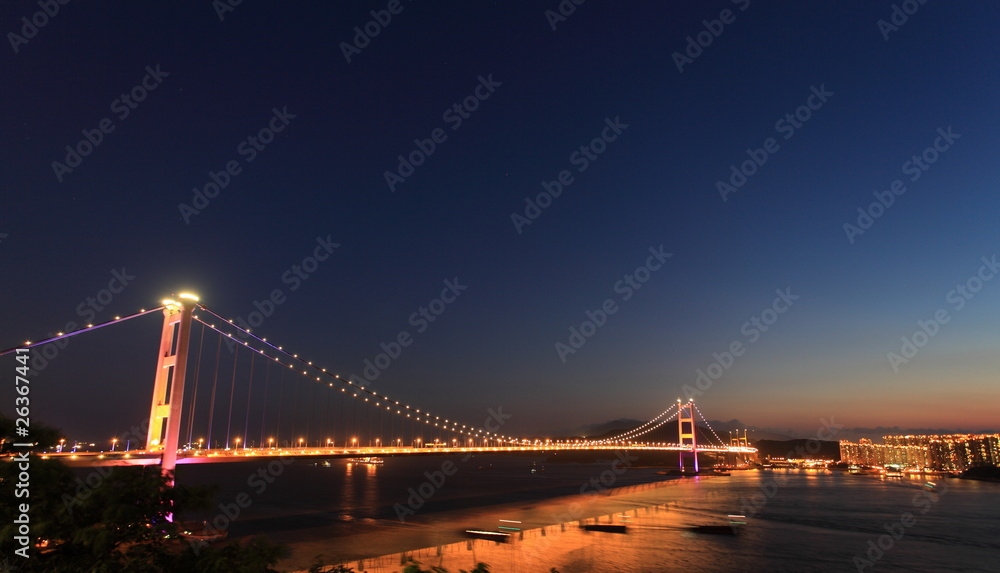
(606, 528)
(367, 460)
(713, 529)
(893, 471)
(497, 536)
(201, 531)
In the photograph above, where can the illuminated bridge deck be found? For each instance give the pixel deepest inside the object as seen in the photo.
(140, 457)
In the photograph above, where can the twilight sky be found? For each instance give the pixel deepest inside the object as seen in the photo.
(542, 166)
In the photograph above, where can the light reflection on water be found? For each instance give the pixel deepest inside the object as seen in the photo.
(809, 520)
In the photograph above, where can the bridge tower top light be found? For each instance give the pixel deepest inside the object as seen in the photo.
(176, 302)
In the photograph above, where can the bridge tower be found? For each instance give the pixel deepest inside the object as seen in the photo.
(168, 385)
(686, 432)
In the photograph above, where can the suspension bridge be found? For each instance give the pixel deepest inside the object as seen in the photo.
(264, 401)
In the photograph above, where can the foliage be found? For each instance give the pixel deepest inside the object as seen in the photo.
(413, 566)
(43, 436)
(319, 567)
(113, 521)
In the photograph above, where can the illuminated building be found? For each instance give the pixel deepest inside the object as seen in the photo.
(951, 452)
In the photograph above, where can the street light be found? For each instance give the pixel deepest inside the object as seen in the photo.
(237, 443)
(270, 442)
(114, 442)
(377, 441)
(354, 442)
(301, 441)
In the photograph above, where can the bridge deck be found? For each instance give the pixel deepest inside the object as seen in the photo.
(140, 457)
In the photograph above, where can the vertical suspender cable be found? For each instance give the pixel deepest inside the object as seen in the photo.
(215, 380)
(281, 394)
(267, 376)
(246, 421)
(194, 395)
(311, 404)
(295, 407)
(232, 388)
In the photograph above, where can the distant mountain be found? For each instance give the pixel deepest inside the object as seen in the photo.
(600, 429)
(753, 433)
(800, 448)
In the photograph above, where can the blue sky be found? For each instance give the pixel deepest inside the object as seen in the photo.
(553, 90)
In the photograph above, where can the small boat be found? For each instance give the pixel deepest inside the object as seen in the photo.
(369, 461)
(201, 531)
(713, 529)
(893, 471)
(497, 536)
(606, 528)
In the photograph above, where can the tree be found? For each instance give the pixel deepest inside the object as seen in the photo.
(113, 521)
(41, 435)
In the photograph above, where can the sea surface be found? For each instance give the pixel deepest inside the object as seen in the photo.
(796, 520)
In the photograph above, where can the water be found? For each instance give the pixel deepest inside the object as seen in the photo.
(797, 520)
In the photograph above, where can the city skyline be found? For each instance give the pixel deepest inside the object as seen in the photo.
(576, 214)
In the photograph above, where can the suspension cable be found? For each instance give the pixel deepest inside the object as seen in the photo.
(88, 328)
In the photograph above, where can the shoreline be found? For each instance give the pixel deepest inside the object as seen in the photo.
(349, 543)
